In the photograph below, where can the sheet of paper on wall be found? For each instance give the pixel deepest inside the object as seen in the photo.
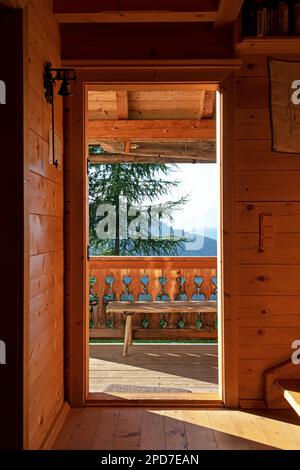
(285, 105)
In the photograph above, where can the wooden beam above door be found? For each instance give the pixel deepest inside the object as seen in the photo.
(122, 104)
(128, 11)
(148, 11)
(152, 129)
(138, 17)
(203, 151)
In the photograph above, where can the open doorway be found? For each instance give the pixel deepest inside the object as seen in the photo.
(154, 232)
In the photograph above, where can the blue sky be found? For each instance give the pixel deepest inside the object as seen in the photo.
(201, 182)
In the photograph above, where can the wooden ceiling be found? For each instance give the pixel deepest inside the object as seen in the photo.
(115, 105)
(95, 31)
(218, 12)
(135, 125)
(153, 125)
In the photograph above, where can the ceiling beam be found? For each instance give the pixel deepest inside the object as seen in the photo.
(201, 105)
(131, 158)
(132, 11)
(199, 151)
(139, 17)
(167, 148)
(151, 130)
(196, 151)
(155, 86)
(122, 104)
(228, 12)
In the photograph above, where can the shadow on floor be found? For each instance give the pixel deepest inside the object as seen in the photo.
(154, 368)
(134, 429)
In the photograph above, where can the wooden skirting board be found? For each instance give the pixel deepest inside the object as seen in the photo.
(56, 427)
(252, 404)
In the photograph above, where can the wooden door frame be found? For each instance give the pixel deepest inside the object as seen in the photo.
(76, 206)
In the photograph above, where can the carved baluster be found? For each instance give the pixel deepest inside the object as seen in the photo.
(163, 321)
(93, 302)
(145, 297)
(127, 296)
(199, 295)
(181, 294)
(108, 296)
(181, 321)
(199, 322)
(163, 296)
(214, 294)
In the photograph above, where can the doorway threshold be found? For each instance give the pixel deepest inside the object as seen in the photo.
(156, 400)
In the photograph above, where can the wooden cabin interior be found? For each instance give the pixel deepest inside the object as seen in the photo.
(155, 81)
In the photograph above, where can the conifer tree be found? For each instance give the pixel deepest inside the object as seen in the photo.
(141, 184)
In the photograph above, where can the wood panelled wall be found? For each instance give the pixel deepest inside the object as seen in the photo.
(268, 280)
(44, 346)
(267, 296)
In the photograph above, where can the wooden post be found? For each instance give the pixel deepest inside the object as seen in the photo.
(128, 333)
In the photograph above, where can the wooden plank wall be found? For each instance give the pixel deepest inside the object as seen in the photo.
(268, 294)
(44, 346)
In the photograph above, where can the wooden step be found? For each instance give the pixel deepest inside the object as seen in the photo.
(291, 392)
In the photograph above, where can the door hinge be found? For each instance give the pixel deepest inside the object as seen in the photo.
(88, 166)
(88, 252)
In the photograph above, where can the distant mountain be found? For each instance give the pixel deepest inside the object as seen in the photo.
(199, 245)
(211, 232)
(208, 247)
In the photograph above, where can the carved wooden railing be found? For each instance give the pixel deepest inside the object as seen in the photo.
(147, 278)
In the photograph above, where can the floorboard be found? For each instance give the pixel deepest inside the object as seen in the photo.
(153, 431)
(199, 434)
(106, 429)
(129, 430)
(133, 429)
(85, 429)
(175, 430)
(136, 428)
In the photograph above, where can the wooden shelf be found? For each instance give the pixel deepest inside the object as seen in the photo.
(269, 44)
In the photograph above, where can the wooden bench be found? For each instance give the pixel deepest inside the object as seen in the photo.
(129, 308)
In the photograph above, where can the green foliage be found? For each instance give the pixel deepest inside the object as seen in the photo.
(140, 184)
(145, 323)
(96, 150)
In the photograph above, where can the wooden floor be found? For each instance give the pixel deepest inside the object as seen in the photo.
(151, 368)
(133, 429)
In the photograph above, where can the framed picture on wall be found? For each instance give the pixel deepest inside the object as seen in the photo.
(285, 105)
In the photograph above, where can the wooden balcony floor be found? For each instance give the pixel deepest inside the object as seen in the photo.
(133, 429)
(150, 368)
